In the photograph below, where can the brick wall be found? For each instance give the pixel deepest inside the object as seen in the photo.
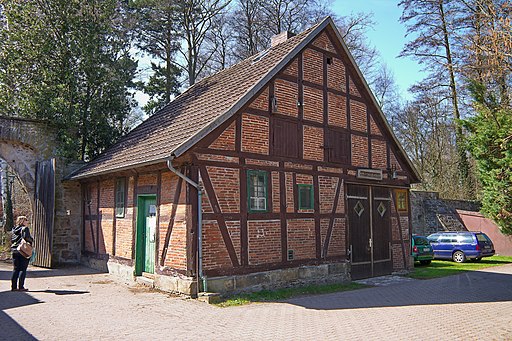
(215, 254)
(337, 110)
(106, 236)
(286, 94)
(124, 225)
(261, 102)
(176, 256)
(324, 42)
(255, 134)
(313, 141)
(120, 229)
(337, 245)
(313, 104)
(264, 242)
(226, 184)
(358, 116)
(91, 209)
(313, 66)
(379, 159)
(336, 75)
(359, 151)
(301, 238)
(226, 141)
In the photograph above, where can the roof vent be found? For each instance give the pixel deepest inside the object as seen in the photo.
(281, 37)
(259, 56)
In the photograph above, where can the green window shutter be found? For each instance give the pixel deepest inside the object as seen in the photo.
(305, 196)
(257, 191)
(120, 197)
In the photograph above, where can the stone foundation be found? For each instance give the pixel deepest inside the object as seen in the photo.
(282, 278)
(270, 280)
(125, 272)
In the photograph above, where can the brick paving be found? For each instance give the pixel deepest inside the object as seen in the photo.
(77, 303)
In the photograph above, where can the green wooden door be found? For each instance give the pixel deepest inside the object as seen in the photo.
(146, 235)
(150, 235)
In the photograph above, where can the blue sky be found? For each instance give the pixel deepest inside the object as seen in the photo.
(388, 36)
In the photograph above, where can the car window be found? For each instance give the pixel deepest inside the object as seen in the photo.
(446, 239)
(433, 237)
(467, 239)
(482, 238)
(421, 241)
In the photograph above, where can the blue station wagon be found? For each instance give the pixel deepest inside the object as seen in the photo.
(460, 246)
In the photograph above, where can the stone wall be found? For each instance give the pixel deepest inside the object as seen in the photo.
(431, 214)
(23, 143)
(281, 278)
(68, 216)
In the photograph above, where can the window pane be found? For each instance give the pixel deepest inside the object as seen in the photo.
(466, 239)
(420, 241)
(257, 190)
(305, 196)
(482, 237)
(119, 197)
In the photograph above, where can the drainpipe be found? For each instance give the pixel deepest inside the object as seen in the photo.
(199, 220)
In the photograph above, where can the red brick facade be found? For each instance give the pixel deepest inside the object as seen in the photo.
(309, 94)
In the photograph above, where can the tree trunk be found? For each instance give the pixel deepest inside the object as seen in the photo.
(463, 164)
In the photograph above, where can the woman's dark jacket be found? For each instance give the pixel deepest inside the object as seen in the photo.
(18, 233)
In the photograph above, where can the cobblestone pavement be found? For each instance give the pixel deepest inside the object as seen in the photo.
(77, 303)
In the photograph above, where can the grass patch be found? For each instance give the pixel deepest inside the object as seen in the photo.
(282, 294)
(442, 268)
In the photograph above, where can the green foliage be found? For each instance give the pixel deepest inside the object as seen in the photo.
(282, 294)
(155, 27)
(68, 61)
(442, 268)
(157, 87)
(490, 142)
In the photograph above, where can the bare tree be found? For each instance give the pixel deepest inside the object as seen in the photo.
(251, 34)
(220, 42)
(425, 128)
(488, 45)
(195, 18)
(433, 23)
(354, 30)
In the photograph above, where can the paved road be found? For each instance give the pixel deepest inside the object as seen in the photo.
(77, 303)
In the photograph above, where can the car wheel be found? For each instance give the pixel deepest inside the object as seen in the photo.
(425, 262)
(459, 257)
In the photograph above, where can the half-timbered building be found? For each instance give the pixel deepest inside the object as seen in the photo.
(279, 170)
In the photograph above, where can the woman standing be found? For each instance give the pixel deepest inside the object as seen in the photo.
(20, 263)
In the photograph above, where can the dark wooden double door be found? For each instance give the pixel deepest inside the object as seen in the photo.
(369, 219)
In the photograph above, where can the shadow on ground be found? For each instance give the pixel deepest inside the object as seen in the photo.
(37, 272)
(469, 287)
(10, 329)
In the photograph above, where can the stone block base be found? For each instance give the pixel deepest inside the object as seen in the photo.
(125, 273)
(282, 278)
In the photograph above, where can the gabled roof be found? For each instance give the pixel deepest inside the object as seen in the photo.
(203, 107)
